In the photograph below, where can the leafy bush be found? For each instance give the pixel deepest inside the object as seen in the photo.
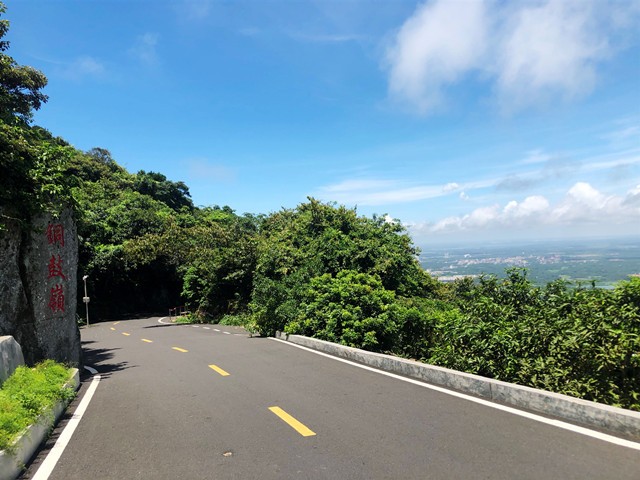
(352, 308)
(579, 342)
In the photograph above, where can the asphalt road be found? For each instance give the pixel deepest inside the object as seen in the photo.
(185, 402)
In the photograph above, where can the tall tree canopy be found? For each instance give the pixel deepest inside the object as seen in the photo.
(20, 86)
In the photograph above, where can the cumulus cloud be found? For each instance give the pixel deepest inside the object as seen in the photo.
(435, 47)
(581, 205)
(531, 51)
(549, 49)
(144, 49)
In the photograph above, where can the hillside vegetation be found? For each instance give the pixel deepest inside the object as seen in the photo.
(319, 269)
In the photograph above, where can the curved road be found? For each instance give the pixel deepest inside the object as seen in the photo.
(209, 402)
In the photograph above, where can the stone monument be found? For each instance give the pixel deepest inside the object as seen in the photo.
(38, 287)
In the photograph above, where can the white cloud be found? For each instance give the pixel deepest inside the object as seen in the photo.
(82, 67)
(144, 48)
(86, 65)
(382, 192)
(583, 205)
(436, 47)
(531, 206)
(549, 49)
(539, 50)
(535, 156)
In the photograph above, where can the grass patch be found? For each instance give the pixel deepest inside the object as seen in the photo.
(238, 320)
(185, 319)
(27, 394)
(245, 320)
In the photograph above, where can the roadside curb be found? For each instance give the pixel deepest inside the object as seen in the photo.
(574, 410)
(11, 465)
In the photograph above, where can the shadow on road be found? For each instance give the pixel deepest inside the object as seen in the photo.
(99, 359)
(162, 325)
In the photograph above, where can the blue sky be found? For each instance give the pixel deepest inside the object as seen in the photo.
(469, 121)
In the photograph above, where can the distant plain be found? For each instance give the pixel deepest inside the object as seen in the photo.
(603, 261)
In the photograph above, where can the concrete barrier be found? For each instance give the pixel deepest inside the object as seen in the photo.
(10, 357)
(564, 407)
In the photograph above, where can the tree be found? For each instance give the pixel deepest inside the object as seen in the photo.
(20, 86)
(174, 194)
(317, 239)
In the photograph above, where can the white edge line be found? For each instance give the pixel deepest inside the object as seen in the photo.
(216, 330)
(63, 440)
(227, 333)
(160, 320)
(532, 416)
(206, 328)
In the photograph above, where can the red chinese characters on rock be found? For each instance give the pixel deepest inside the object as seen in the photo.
(55, 238)
(56, 299)
(55, 267)
(55, 234)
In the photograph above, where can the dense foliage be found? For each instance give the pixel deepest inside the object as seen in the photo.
(318, 269)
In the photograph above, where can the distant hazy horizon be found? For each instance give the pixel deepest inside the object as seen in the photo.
(605, 260)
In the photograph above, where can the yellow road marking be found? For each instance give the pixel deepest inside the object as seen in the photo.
(113, 329)
(180, 349)
(115, 323)
(219, 370)
(292, 422)
(148, 341)
(125, 333)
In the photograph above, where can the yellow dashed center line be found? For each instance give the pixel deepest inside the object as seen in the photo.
(292, 422)
(148, 341)
(113, 329)
(180, 349)
(115, 323)
(219, 370)
(125, 333)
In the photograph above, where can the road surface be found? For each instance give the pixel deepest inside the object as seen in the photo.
(209, 402)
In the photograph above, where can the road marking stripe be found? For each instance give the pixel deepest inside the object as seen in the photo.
(113, 329)
(126, 334)
(54, 455)
(206, 328)
(216, 330)
(115, 323)
(180, 349)
(219, 370)
(292, 422)
(226, 333)
(195, 326)
(148, 341)
(532, 416)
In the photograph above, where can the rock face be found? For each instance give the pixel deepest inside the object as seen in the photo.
(10, 357)
(38, 287)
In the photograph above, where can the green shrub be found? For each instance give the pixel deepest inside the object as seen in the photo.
(29, 393)
(353, 309)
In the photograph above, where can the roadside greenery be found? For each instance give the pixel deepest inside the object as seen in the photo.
(319, 269)
(29, 393)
